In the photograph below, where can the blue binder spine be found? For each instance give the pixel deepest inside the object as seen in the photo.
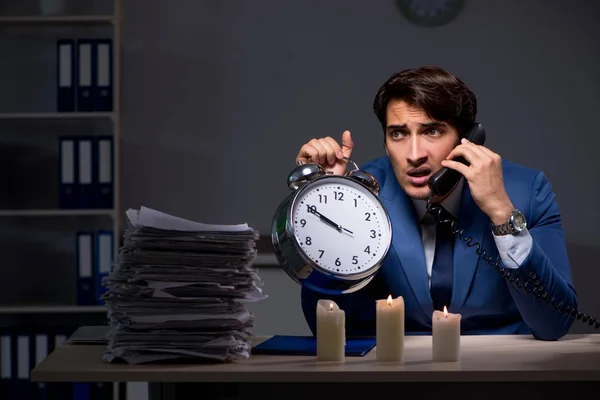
(103, 90)
(59, 390)
(86, 67)
(85, 272)
(104, 260)
(85, 172)
(23, 389)
(40, 352)
(7, 382)
(65, 75)
(81, 391)
(104, 178)
(68, 161)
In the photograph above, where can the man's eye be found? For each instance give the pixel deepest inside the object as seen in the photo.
(433, 131)
(396, 134)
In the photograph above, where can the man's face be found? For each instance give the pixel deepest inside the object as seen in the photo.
(416, 146)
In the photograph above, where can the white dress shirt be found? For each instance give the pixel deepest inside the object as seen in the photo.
(513, 249)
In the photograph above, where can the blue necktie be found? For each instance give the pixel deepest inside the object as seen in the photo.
(441, 271)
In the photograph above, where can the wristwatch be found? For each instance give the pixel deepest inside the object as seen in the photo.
(516, 223)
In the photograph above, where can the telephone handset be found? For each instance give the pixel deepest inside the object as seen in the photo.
(445, 179)
(440, 184)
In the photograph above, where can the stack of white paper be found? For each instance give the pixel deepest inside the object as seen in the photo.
(178, 291)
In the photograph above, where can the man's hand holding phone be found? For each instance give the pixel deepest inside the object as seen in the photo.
(328, 153)
(484, 176)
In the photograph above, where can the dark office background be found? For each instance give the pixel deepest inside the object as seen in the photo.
(218, 96)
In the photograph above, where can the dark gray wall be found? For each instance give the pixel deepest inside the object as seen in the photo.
(219, 97)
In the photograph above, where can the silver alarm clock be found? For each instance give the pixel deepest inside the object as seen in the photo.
(332, 233)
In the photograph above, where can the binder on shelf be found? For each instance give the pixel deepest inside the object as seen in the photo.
(60, 390)
(85, 172)
(104, 177)
(6, 364)
(65, 66)
(68, 161)
(23, 386)
(40, 352)
(86, 67)
(81, 390)
(85, 269)
(104, 259)
(103, 88)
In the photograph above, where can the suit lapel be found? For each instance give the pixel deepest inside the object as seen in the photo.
(407, 242)
(474, 224)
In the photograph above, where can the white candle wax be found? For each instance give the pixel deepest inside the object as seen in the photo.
(445, 336)
(390, 330)
(331, 331)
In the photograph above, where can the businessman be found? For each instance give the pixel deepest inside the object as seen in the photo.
(509, 209)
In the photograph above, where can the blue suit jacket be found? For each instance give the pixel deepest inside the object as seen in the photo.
(488, 304)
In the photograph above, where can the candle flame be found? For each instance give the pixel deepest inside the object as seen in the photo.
(330, 306)
(445, 312)
(389, 300)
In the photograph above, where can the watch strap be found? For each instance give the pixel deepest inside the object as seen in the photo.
(504, 229)
(507, 228)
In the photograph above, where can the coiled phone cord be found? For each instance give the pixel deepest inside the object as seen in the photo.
(533, 285)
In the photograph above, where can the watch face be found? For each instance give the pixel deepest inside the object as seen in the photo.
(519, 221)
(340, 225)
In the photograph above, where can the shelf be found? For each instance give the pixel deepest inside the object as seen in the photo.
(50, 309)
(58, 19)
(56, 115)
(55, 213)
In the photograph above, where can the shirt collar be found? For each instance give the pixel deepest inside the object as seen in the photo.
(450, 203)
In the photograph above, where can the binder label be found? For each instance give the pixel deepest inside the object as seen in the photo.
(65, 65)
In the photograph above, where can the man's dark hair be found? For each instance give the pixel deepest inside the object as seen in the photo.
(443, 96)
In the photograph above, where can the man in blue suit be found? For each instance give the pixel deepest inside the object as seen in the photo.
(509, 209)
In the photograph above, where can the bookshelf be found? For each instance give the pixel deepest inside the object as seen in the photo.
(49, 309)
(111, 24)
(62, 19)
(57, 115)
(57, 213)
(38, 32)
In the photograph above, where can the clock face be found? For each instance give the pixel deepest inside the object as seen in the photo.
(430, 12)
(340, 225)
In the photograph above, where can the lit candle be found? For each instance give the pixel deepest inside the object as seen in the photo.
(445, 336)
(331, 331)
(390, 330)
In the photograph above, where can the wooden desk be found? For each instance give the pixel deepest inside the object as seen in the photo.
(490, 367)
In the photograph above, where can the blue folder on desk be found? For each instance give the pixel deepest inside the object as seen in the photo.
(307, 346)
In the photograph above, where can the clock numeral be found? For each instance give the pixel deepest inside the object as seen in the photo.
(368, 250)
(338, 262)
(368, 218)
(308, 240)
(355, 203)
(372, 233)
(339, 196)
(323, 198)
(309, 208)
(303, 222)
(355, 260)
(322, 252)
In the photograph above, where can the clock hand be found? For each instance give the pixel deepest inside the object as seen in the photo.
(325, 219)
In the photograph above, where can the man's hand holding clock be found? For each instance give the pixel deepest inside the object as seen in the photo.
(328, 153)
